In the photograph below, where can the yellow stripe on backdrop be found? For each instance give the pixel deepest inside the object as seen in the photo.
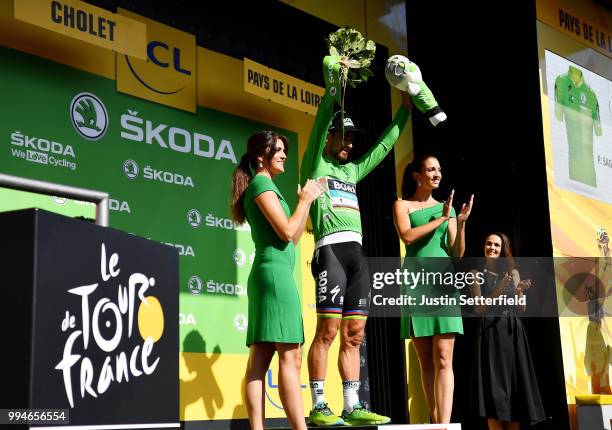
(54, 46)
(81, 21)
(585, 22)
(281, 88)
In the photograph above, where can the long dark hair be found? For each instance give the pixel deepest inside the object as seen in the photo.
(409, 184)
(261, 143)
(505, 253)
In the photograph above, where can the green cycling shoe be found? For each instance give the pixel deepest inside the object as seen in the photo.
(321, 415)
(360, 416)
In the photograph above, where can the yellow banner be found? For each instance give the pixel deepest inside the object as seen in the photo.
(281, 88)
(582, 29)
(85, 22)
(168, 75)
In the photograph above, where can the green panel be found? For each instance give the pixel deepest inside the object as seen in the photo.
(144, 201)
(11, 200)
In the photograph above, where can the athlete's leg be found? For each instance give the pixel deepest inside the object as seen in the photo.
(330, 287)
(351, 335)
(330, 284)
(352, 329)
(327, 328)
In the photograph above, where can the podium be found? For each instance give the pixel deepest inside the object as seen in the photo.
(89, 322)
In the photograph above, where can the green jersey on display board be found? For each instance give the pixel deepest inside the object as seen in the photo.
(576, 103)
(338, 208)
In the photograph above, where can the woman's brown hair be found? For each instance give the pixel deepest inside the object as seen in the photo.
(505, 252)
(262, 143)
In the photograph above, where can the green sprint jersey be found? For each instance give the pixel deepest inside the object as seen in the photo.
(577, 104)
(338, 208)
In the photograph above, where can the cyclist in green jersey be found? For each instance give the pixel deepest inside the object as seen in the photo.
(338, 264)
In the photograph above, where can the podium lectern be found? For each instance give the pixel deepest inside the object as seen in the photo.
(89, 322)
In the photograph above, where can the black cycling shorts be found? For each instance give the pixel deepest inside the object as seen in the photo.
(342, 281)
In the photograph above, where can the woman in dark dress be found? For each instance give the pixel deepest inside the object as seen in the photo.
(507, 391)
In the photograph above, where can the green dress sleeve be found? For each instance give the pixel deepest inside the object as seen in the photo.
(381, 148)
(318, 134)
(259, 184)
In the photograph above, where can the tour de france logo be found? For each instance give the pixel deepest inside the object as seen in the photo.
(133, 312)
(131, 169)
(89, 116)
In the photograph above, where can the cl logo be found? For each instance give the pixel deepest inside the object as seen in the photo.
(176, 56)
(154, 49)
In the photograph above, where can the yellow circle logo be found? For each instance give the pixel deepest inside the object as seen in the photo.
(151, 318)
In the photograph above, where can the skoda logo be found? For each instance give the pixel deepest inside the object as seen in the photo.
(195, 285)
(130, 168)
(241, 322)
(89, 116)
(239, 257)
(194, 218)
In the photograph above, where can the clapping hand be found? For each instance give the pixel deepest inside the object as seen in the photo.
(506, 279)
(448, 204)
(466, 209)
(311, 191)
(523, 286)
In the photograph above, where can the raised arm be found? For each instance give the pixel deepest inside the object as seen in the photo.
(289, 229)
(318, 134)
(385, 142)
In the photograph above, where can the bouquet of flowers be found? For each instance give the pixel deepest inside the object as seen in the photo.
(356, 54)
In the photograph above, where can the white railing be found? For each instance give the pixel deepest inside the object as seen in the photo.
(32, 185)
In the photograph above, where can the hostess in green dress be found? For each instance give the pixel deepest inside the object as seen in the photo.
(430, 320)
(275, 311)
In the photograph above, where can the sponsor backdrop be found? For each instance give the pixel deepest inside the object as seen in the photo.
(161, 137)
(577, 141)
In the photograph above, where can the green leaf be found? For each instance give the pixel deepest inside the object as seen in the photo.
(358, 51)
